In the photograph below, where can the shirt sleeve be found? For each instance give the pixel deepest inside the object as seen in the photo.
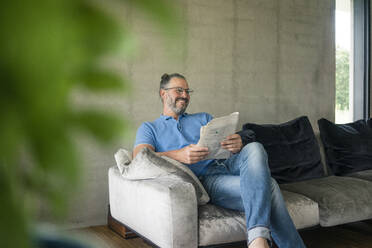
(208, 117)
(145, 135)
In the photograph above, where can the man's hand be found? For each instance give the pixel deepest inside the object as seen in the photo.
(233, 143)
(189, 154)
(192, 154)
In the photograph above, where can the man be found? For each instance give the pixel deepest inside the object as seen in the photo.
(241, 182)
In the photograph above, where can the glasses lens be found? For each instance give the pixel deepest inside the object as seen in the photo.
(180, 90)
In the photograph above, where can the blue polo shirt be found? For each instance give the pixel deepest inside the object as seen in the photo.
(167, 134)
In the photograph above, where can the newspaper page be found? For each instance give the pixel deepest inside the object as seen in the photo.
(216, 131)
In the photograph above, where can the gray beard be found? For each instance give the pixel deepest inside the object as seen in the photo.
(173, 107)
(178, 111)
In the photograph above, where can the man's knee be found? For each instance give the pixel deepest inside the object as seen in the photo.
(254, 148)
(254, 157)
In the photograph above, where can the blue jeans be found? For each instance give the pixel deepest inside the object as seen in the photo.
(243, 182)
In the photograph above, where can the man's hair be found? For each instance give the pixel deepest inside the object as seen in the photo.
(167, 77)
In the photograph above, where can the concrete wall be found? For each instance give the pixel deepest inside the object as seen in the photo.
(271, 60)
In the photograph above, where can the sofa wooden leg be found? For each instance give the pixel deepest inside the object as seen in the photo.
(119, 228)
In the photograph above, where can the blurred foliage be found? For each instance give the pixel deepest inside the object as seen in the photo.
(47, 49)
(342, 78)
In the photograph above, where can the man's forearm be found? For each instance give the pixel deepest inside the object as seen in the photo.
(190, 154)
(171, 154)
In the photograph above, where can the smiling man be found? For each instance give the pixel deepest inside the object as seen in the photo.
(241, 182)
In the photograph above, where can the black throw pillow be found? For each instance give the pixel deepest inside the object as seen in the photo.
(292, 149)
(348, 147)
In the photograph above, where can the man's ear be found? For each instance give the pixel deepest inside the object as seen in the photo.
(162, 94)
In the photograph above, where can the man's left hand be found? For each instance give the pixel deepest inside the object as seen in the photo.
(233, 143)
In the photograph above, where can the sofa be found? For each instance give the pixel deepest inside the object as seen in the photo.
(320, 187)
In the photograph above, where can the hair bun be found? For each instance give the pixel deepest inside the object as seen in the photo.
(165, 76)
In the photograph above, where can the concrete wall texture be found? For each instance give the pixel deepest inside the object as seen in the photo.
(271, 60)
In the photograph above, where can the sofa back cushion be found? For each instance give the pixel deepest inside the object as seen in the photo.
(292, 149)
(348, 147)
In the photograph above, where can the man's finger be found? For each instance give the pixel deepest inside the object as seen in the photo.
(233, 136)
(229, 146)
(198, 148)
(227, 142)
(232, 148)
(199, 153)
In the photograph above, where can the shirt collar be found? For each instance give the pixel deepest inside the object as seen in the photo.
(166, 117)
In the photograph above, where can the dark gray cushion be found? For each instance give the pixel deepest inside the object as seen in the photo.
(348, 147)
(366, 175)
(292, 149)
(340, 199)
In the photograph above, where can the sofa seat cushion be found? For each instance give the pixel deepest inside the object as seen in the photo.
(303, 211)
(219, 225)
(366, 175)
(340, 199)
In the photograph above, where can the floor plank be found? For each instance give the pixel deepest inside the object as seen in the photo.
(113, 240)
(354, 235)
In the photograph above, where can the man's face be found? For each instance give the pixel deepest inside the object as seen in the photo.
(175, 100)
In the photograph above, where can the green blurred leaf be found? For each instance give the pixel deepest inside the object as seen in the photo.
(57, 175)
(12, 215)
(11, 134)
(104, 127)
(100, 33)
(100, 80)
(48, 47)
(162, 12)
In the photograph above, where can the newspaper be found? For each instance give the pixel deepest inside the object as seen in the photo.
(216, 131)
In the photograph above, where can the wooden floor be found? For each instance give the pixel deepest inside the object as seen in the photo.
(355, 235)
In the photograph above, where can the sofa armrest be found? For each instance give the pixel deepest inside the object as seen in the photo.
(163, 210)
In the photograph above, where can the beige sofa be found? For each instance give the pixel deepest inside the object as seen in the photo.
(164, 211)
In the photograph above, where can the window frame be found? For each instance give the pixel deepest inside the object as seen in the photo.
(361, 59)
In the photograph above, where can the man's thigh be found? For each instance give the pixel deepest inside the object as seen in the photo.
(224, 191)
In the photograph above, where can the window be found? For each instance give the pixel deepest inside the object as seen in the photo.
(344, 63)
(352, 24)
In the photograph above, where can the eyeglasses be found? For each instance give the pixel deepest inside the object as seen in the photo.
(180, 90)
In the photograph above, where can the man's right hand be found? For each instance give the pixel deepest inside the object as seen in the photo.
(188, 155)
(192, 154)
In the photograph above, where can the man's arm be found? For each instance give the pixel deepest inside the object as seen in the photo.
(188, 155)
(138, 148)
